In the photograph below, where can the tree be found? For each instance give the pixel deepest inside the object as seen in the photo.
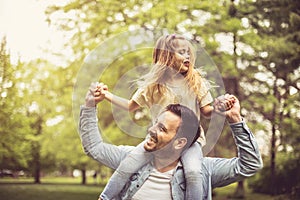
(13, 145)
(255, 68)
(91, 24)
(47, 102)
(273, 70)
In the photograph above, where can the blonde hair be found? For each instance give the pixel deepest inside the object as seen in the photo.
(164, 57)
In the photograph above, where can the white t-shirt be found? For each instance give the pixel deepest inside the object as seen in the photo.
(157, 186)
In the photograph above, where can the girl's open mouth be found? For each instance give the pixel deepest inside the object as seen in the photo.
(186, 63)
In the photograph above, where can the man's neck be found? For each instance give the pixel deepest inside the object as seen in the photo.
(164, 165)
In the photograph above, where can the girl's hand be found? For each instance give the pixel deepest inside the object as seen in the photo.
(91, 100)
(101, 89)
(224, 103)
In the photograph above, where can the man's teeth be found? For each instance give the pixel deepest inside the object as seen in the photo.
(152, 139)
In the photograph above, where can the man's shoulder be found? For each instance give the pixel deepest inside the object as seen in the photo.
(126, 148)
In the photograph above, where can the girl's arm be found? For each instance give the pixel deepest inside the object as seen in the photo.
(126, 104)
(221, 104)
(207, 110)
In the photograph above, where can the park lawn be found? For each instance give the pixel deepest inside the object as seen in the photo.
(26, 191)
(224, 193)
(63, 188)
(50, 189)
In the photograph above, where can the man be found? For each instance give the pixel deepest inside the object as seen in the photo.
(175, 129)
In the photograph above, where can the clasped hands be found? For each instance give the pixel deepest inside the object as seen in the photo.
(225, 105)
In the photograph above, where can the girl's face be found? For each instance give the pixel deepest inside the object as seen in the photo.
(182, 56)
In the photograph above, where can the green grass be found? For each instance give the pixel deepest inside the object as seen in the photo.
(50, 189)
(225, 193)
(63, 188)
(25, 191)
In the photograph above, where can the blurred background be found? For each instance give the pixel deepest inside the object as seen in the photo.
(255, 45)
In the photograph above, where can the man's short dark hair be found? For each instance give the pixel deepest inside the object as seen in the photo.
(189, 126)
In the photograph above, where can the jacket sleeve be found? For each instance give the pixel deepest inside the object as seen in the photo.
(247, 163)
(92, 142)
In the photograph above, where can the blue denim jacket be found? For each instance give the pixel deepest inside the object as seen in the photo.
(217, 172)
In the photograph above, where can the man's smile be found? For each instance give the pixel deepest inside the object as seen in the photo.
(151, 139)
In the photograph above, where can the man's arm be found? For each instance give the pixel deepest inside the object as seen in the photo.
(91, 139)
(226, 171)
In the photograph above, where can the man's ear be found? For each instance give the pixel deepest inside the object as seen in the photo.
(179, 143)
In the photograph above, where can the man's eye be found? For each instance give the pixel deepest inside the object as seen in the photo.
(161, 128)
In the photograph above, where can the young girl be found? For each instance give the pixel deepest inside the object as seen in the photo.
(172, 79)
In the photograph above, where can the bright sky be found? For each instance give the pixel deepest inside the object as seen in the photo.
(28, 34)
(23, 23)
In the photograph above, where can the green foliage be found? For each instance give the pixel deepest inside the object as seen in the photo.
(14, 150)
(286, 180)
(260, 65)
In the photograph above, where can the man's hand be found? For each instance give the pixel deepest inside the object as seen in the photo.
(93, 97)
(101, 89)
(229, 101)
(223, 103)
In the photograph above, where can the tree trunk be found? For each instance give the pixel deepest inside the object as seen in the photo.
(232, 86)
(37, 177)
(273, 142)
(273, 156)
(36, 147)
(83, 172)
(36, 164)
(239, 190)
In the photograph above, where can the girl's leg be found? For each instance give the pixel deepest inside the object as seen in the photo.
(134, 161)
(192, 165)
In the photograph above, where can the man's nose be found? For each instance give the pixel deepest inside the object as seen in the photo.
(152, 130)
